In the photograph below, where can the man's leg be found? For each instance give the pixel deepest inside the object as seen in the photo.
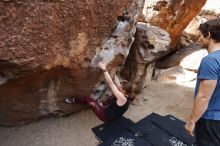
(207, 132)
(94, 105)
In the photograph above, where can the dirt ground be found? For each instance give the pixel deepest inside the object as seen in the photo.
(75, 130)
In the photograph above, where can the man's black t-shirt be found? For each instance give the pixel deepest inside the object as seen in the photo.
(113, 111)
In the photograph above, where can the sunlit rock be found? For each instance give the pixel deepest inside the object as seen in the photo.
(171, 15)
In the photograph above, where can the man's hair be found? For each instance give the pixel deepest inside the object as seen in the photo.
(127, 86)
(212, 27)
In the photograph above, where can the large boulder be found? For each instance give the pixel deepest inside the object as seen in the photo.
(150, 43)
(171, 15)
(47, 48)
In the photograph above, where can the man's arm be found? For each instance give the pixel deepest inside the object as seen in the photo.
(117, 82)
(121, 99)
(119, 95)
(205, 92)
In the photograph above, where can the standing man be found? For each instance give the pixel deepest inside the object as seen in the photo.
(205, 115)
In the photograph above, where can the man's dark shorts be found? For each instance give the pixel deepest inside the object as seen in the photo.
(207, 132)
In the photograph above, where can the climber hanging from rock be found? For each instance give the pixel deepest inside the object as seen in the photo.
(114, 107)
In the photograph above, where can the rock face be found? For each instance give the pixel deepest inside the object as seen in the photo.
(191, 32)
(210, 10)
(171, 15)
(150, 44)
(47, 48)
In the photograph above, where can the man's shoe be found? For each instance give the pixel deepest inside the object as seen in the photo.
(70, 100)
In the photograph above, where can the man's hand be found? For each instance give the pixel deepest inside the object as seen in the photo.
(190, 127)
(206, 89)
(102, 65)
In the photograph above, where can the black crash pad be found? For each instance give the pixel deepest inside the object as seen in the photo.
(153, 130)
(125, 139)
(106, 130)
(163, 130)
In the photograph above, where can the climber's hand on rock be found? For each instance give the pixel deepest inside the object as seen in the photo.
(102, 66)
